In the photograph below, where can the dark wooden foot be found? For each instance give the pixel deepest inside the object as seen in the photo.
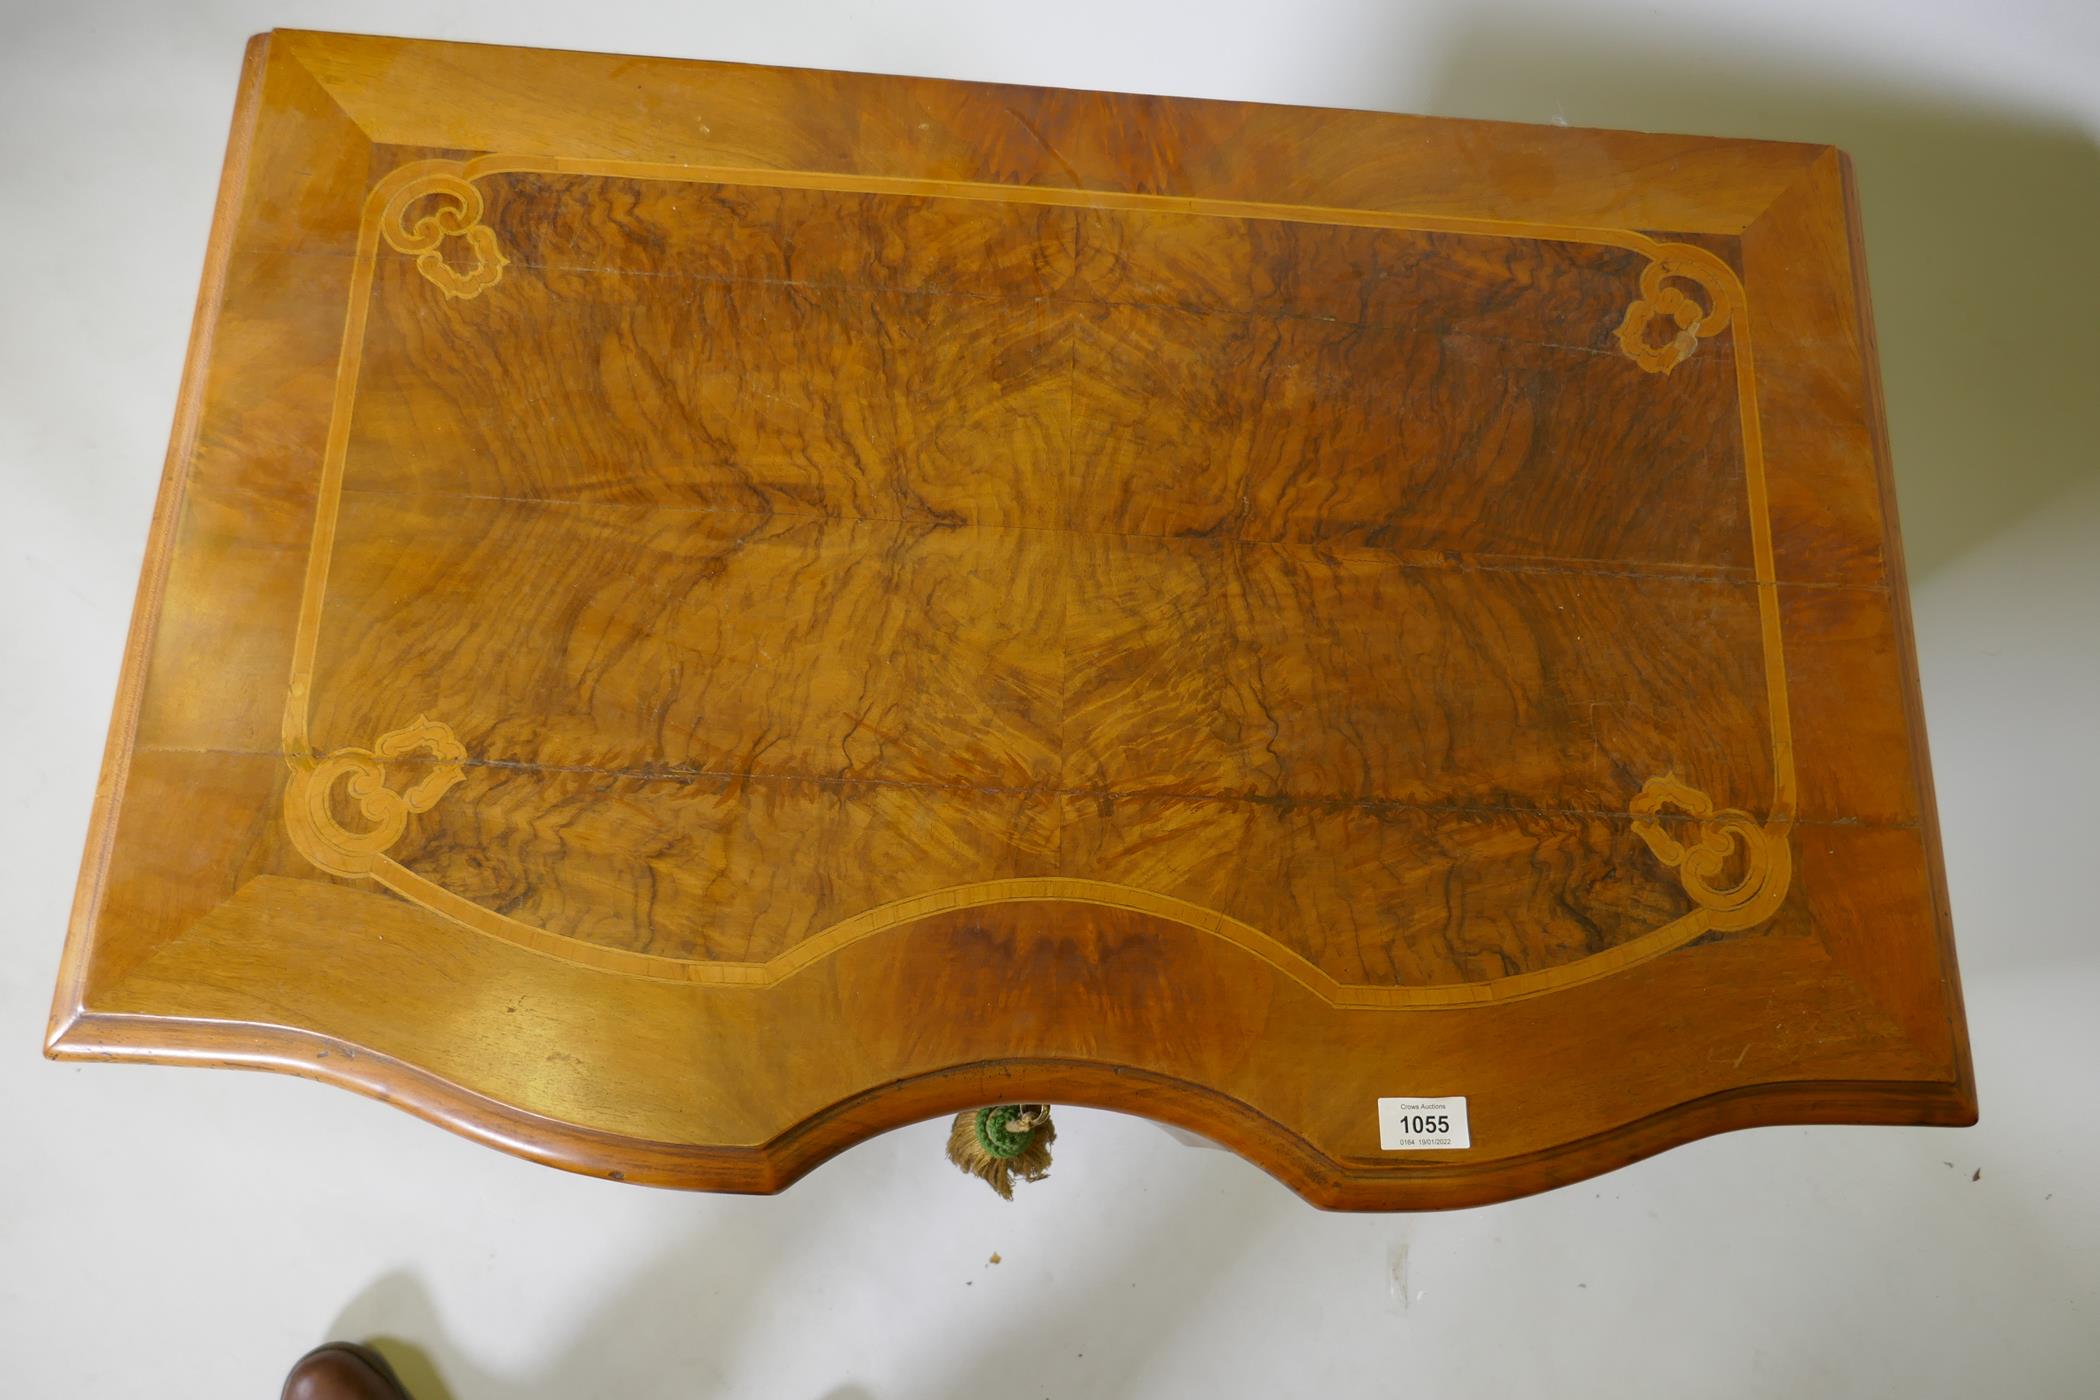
(343, 1371)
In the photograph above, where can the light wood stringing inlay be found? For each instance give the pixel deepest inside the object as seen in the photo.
(1722, 901)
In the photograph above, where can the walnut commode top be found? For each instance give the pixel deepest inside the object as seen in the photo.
(693, 624)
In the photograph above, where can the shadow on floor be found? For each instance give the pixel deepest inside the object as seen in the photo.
(680, 1324)
(684, 1311)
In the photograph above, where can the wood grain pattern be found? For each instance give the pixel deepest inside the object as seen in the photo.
(1011, 594)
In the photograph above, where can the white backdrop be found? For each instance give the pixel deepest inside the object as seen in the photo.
(179, 1234)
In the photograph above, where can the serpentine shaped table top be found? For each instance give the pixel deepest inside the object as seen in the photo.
(698, 613)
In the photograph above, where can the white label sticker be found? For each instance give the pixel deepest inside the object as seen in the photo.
(1407, 1125)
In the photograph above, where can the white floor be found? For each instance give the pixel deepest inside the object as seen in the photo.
(175, 1233)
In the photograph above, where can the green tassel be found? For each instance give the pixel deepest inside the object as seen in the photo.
(997, 1144)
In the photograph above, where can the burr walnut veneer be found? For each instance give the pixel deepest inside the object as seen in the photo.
(698, 613)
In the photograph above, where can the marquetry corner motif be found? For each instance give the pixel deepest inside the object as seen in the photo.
(310, 802)
(1664, 325)
(456, 215)
(1765, 860)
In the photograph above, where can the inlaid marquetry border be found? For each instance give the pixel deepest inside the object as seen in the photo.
(1661, 297)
